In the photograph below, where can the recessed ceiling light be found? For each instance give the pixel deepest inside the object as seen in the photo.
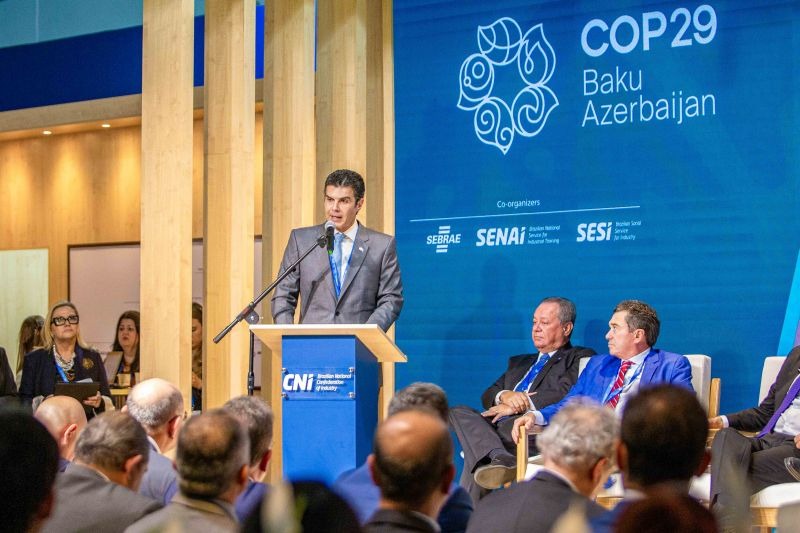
(105, 125)
(47, 132)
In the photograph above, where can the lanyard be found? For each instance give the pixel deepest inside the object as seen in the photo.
(626, 385)
(61, 372)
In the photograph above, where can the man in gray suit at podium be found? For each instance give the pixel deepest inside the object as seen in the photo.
(357, 283)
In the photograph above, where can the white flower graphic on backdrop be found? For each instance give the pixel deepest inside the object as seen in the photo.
(501, 44)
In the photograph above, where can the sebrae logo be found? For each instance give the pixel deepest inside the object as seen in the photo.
(502, 46)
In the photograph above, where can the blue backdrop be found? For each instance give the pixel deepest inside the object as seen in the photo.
(646, 150)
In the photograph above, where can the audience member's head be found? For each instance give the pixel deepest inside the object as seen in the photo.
(420, 395)
(639, 315)
(309, 505)
(553, 321)
(197, 327)
(114, 444)
(663, 438)
(64, 418)
(579, 443)
(256, 416)
(157, 405)
(213, 457)
(412, 461)
(126, 338)
(666, 511)
(28, 466)
(30, 337)
(62, 324)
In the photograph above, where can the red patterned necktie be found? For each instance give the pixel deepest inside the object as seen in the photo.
(616, 389)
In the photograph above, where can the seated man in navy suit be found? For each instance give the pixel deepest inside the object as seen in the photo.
(256, 417)
(632, 363)
(357, 488)
(531, 381)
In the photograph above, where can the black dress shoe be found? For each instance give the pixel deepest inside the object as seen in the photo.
(500, 470)
(793, 466)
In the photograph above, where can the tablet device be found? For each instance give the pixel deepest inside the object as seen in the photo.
(79, 391)
(112, 365)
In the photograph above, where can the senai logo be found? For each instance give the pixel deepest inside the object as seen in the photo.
(443, 239)
(501, 45)
(501, 236)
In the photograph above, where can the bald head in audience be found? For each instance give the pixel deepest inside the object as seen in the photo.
(64, 418)
(412, 463)
(157, 405)
(213, 457)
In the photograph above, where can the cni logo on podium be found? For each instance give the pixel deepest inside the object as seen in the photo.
(502, 46)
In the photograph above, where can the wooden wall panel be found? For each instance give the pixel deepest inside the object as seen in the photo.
(35, 181)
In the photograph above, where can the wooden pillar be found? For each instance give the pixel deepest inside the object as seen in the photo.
(292, 192)
(166, 191)
(228, 200)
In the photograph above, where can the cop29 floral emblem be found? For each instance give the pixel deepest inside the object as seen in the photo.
(502, 45)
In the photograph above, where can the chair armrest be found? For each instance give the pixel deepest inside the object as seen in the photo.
(522, 453)
(713, 397)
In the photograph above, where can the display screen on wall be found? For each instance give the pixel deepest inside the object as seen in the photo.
(598, 151)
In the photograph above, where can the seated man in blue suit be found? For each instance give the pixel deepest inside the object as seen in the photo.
(357, 488)
(631, 363)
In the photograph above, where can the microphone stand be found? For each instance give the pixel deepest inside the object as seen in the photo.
(250, 315)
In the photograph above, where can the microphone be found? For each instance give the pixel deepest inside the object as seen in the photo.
(329, 236)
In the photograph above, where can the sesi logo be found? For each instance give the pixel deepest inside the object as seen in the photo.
(298, 382)
(594, 231)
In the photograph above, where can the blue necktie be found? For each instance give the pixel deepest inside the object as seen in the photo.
(337, 259)
(531, 375)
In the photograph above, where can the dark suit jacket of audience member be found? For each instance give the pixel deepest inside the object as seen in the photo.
(160, 482)
(39, 374)
(7, 385)
(755, 418)
(551, 384)
(531, 506)
(85, 501)
(391, 521)
(249, 501)
(363, 496)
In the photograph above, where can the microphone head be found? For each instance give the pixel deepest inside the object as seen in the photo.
(329, 226)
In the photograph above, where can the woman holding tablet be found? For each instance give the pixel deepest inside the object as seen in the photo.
(65, 358)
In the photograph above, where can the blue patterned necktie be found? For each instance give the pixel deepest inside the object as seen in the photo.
(337, 255)
(531, 375)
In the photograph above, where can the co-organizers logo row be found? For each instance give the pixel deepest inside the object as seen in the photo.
(592, 232)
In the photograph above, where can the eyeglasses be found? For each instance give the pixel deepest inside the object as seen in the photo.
(61, 320)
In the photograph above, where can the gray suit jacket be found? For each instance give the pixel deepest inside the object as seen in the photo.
(372, 292)
(189, 515)
(87, 502)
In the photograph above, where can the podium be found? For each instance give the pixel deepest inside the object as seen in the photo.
(324, 382)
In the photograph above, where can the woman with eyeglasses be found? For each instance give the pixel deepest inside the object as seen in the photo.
(65, 358)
